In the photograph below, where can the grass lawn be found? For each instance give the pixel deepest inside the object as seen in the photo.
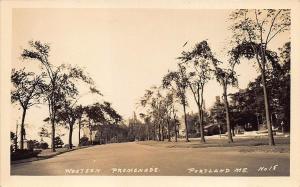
(242, 144)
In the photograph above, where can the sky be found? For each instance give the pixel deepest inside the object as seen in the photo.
(125, 51)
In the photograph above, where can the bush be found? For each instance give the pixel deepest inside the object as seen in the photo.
(33, 144)
(58, 142)
(84, 141)
(23, 154)
(44, 145)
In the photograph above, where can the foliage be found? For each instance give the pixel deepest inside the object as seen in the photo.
(23, 154)
(84, 141)
(27, 90)
(43, 133)
(44, 145)
(178, 81)
(12, 136)
(198, 63)
(58, 142)
(61, 81)
(253, 30)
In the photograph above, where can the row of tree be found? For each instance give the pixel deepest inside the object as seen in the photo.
(253, 30)
(58, 88)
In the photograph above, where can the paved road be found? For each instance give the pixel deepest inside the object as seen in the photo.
(135, 159)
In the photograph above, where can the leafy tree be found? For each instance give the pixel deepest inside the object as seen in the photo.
(217, 114)
(284, 80)
(95, 116)
(193, 123)
(169, 102)
(102, 117)
(248, 101)
(223, 76)
(27, 90)
(60, 83)
(246, 107)
(112, 115)
(226, 77)
(137, 129)
(178, 80)
(253, 30)
(199, 75)
(152, 100)
(147, 122)
(111, 121)
(67, 115)
(158, 104)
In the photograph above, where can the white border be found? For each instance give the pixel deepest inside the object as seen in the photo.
(9, 181)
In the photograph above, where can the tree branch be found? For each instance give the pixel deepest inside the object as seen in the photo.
(273, 21)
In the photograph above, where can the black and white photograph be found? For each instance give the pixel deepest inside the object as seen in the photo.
(142, 91)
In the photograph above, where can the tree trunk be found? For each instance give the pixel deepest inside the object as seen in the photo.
(79, 127)
(22, 129)
(154, 132)
(53, 134)
(159, 133)
(148, 134)
(70, 137)
(186, 126)
(257, 122)
(230, 140)
(168, 128)
(90, 128)
(200, 109)
(267, 110)
(162, 132)
(201, 128)
(16, 138)
(100, 137)
(175, 125)
(175, 129)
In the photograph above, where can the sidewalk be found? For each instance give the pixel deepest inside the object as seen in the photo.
(47, 153)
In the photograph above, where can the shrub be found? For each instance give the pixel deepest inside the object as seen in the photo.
(23, 154)
(44, 145)
(84, 141)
